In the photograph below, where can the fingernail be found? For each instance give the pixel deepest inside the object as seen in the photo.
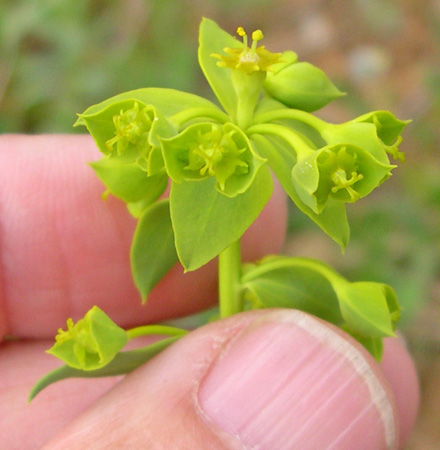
(288, 381)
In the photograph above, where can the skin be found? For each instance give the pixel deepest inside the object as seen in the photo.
(63, 250)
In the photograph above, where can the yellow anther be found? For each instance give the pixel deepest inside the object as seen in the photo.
(241, 32)
(257, 35)
(253, 59)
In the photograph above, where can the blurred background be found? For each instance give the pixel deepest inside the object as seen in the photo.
(59, 57)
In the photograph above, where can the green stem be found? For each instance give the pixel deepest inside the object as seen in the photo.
(291, 137)
(229, 271)
(148, 330)
(292, 114)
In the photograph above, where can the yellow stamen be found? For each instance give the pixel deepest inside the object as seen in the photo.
(257, 35)
(241, 32)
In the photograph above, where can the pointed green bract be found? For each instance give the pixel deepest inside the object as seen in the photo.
(281, 159)
(280, 282)
(91, 343)
(389, 128)
(152, 252)
(366, 310)
(301, 85)
(369, 309)
(205, 221)
(212, 40)
(129, 182)
(123, 363)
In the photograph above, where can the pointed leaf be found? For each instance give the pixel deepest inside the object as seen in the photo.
(212, 40)
(152, 251)
(128, 181)
(281, 282)
(205, 221)
(123, 363)
(364, 306)
(281, 159)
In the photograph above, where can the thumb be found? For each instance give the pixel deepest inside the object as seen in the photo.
(276, 379)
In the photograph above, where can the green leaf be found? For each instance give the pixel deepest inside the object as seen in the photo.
(365, 307)
(281, 282)
(212, 40)
(281, 159)
(366, 310)
(129, 182)
(152, 252)
(205, 221)
(124, 362)
(301, 86)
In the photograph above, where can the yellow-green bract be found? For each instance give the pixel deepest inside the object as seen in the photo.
(91, 343)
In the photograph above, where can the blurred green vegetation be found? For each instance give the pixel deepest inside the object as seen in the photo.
(59, 57)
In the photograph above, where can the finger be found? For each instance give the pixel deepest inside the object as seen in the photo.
(63, 249)
(26, 426)
(264, 379)
(401, 373)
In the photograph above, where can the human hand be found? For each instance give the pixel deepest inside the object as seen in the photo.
(268, 379)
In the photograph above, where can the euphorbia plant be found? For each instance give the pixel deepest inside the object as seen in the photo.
(218, 162)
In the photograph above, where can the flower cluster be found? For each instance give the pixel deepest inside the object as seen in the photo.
(266, 125)
(218, 162)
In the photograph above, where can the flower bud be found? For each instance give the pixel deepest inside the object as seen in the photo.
(91, 343)
(300, 85)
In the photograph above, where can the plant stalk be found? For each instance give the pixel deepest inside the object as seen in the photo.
(229, 272)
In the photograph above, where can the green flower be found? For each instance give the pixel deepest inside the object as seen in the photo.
(343, 172)
(91, 343)
(212, 150)
(389, 130)
(135, 130)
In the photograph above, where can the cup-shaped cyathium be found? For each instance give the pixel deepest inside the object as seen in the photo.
(212, 150)
(344, 172)
(389, 130)
(136, 128)
(91, 343)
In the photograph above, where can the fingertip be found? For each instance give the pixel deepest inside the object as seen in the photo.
(400, 371)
